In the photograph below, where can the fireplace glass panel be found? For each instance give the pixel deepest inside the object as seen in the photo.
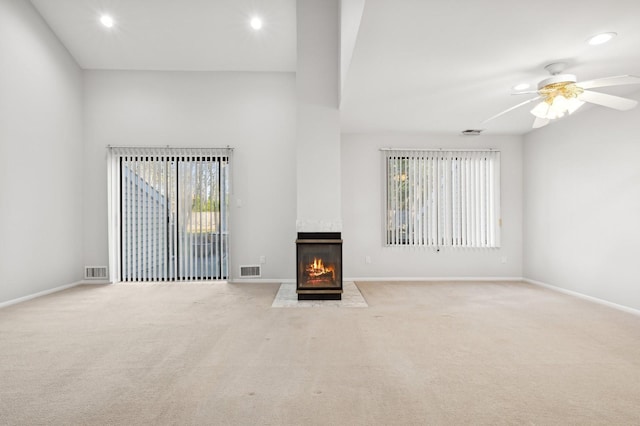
(319, 266)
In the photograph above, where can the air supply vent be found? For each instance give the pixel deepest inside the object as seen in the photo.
(471, 132)
(250, 271)
(95, 272)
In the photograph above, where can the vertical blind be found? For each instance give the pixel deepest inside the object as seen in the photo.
(170, 208)
(442, 198)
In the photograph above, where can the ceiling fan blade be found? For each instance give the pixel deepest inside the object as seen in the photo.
(512, 108)
(618, 80)
(540, 122)
(528, 92)
(610, 101)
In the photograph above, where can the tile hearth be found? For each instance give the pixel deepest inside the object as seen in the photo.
(288, 298)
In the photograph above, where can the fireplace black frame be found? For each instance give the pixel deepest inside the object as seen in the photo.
(307, 240)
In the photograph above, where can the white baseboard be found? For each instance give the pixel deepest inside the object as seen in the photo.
(262, 280)
(152, 283)
(584, 296)
(352, 279)
(433, 279)
(39, 294)
(233, 281)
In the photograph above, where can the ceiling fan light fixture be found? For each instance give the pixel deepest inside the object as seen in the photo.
(561, 95)
(558, 108)
(560, 103)
(541, 110)
(555, 81)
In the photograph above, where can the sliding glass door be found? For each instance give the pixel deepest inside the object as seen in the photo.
(173, 216)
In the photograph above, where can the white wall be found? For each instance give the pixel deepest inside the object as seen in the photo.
(362, 180)
(350, 17)
(582, 205)
(255, 113)
(40, 157)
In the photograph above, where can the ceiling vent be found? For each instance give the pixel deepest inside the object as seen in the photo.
(471, 132)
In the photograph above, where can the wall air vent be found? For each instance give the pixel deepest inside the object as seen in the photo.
(471, 132)
(250, 271)
(95, 272)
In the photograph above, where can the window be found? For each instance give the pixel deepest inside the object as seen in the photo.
(169, 214)
(442, 198)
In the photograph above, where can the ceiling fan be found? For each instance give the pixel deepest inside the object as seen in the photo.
(561, 95)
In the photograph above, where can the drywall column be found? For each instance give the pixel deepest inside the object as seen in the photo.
(318, 120)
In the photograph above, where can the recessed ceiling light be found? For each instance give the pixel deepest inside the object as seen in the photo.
(256, 23)
(107, 21)
(521, 86)
(601, 38)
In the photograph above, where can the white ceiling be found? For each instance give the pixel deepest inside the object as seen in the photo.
(184, 35)
(417, 65)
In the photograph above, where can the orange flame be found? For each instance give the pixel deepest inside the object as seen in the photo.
(317, 268)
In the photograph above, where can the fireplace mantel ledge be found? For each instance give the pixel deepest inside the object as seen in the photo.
(305, 225)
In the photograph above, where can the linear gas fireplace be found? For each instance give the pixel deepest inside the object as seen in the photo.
(319, 266)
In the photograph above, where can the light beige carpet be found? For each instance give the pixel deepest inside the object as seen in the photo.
(422, 353)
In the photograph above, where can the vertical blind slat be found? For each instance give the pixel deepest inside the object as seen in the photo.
(396, 224)
(138, 222)
(174, 217)
(210, 245)
(408, 184)
(148, 221)
(132, 197)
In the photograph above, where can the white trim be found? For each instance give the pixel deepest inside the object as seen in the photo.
(440, 149)
(178, 283)
(113, 217)
(261, 280)
(375, 279)
(168, 147)
(583, 296)
(484, 279)
(238, 281)
(39, 294)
